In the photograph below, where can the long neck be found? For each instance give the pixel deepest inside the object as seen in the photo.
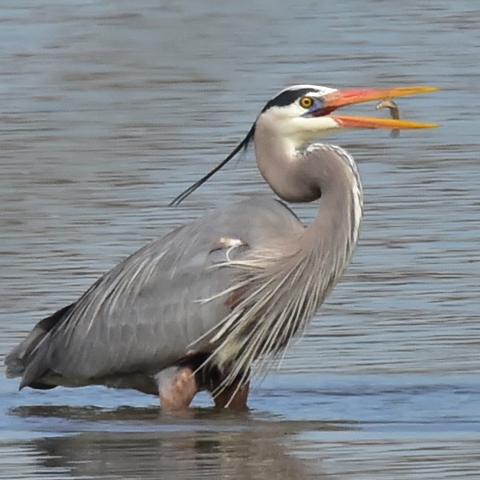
(285, 282)
(320, 171)
(304, 175)
(335, 229)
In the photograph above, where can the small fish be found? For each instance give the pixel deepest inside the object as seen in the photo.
(394, 112)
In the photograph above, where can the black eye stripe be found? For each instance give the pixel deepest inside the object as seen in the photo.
(287, 98)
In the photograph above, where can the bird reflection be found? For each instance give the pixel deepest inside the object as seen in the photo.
(141, 443)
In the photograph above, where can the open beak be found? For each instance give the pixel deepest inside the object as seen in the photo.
(341, 98)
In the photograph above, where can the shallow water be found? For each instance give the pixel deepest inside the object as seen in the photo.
(110, 109)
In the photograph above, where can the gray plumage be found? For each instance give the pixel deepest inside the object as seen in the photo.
(235, 285)
(146, 313)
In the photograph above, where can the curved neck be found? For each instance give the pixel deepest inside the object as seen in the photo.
(286, 280)
(279, 162)
(320, 171)
(340, 211)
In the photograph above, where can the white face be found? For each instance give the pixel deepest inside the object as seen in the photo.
(289, 114)
(287, 102)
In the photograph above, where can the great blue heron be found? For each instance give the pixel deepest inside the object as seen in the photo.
(211, 303)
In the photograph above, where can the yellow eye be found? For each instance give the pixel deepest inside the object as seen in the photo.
(306, 102)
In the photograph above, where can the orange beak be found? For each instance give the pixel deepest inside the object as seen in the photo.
(341, 98)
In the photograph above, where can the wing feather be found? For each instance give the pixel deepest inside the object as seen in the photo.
(146, 313)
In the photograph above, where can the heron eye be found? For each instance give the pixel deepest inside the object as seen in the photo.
(306, 102)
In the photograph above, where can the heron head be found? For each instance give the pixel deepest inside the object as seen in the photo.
(302, 113)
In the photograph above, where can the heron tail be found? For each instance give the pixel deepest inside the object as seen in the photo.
(17, 362)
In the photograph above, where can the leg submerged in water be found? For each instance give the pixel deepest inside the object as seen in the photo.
(178, 385)
(176, 388)
(233, 397)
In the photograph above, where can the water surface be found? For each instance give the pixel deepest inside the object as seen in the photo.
(110, 109)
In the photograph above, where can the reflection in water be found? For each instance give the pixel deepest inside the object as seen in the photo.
(207, 454)
(150, 445)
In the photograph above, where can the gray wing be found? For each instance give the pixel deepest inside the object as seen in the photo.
(146, 313)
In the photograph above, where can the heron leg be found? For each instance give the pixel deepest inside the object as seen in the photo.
(176, 387)
(233, 397)
(178, 384)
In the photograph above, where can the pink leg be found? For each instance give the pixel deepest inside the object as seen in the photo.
(176, 388)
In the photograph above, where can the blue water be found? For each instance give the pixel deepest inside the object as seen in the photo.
(110, 109)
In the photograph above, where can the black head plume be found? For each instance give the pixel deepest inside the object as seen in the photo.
(289, 95)
(241, 146)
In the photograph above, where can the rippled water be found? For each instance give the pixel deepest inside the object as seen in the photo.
(110, 109)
